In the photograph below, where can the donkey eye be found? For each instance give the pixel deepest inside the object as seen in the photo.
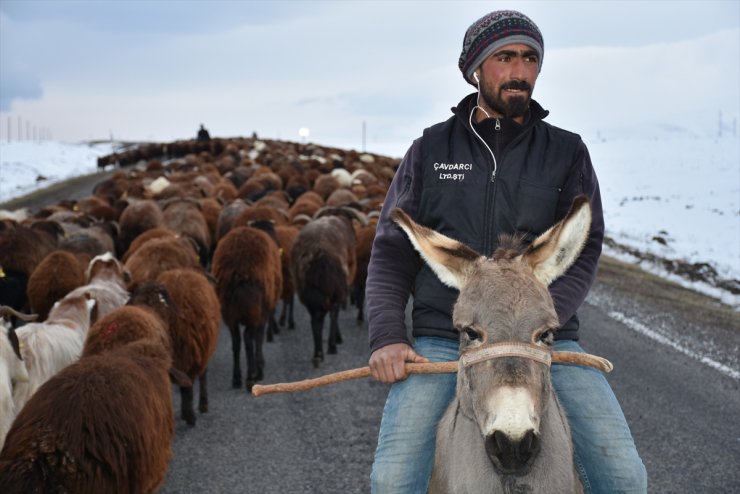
(547, 337)
(472, 334)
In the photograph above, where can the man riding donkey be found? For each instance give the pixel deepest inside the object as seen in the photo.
(495, 167)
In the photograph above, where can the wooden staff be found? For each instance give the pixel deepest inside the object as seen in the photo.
(424, 368)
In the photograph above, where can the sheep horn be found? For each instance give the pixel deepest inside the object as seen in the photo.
(16, 345)
(301, 219)
(6, 311)
(347, 212)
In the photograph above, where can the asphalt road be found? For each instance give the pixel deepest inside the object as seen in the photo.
(676, 375)
(683, 414)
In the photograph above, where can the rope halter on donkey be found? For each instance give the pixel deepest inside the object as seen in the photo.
(506, 349)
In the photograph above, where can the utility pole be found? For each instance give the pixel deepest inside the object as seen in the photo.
(364, 132)
(720, 124)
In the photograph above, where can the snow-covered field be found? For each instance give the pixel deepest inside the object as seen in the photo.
(675, 198)
(27, 166)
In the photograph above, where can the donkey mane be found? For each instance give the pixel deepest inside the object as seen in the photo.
(509, 246)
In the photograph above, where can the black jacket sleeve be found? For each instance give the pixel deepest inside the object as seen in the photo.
(569, 291)
(393, 262)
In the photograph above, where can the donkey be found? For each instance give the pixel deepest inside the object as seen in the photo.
(504, 432)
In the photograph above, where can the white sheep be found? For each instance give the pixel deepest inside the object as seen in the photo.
(47, 347)
(107, 279)
(12, 370)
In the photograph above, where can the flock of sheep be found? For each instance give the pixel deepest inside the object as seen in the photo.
(107, 301)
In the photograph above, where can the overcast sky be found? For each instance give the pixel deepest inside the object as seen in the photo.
(155, 70)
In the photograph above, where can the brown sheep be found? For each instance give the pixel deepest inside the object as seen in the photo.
(259, 213)
(252, 190)
(138, 217)
(246, 264)
(227, 216)
(342, 197)
(93, 240)
(22, 248)
(325, 185)
(97, 207)
(365, 234)
(323, 265)
(159, 232)
(193, 330)
(185, 216)
(129, 323)
(276, 199)
(224, 191)
(56, 275)
(211, 208)
(159, 255)
(111, 428)
(309, 203)
(296, 185)
(286, 236)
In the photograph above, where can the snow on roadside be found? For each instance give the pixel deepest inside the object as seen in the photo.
(673, 201)
(28, 166)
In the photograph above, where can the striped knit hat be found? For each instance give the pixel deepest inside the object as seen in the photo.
(491, 32)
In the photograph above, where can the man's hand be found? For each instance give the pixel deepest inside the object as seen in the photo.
(388, 364)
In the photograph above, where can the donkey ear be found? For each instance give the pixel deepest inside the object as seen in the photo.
(451, 261)
(553, 252)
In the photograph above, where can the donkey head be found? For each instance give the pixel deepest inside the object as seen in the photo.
(506, 320)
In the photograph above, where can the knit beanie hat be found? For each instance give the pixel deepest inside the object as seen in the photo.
(491, 32)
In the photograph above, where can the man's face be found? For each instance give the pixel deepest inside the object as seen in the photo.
(507, 79)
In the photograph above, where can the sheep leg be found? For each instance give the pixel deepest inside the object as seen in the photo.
(283, 312)
(186, 405)
(236, 343)
(258, 353)
(287, 311)
(335, 337)
(273, 325)
(291, 321)
(360, 304)
(255, 359)
(203, 397)
(317, 326)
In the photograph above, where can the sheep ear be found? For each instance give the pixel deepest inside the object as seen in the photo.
(452, 261)
(553, 252)
(15, 343)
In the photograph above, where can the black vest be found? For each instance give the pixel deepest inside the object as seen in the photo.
(461, 199)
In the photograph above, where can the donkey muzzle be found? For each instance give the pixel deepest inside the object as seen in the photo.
(513, 456)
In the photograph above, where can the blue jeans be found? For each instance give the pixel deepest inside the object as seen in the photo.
(605, 453)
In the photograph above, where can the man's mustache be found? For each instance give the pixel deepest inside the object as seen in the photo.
(517, 86)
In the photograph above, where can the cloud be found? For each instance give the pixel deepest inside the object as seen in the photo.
(682, 84)
(150, 71)
(16, 83)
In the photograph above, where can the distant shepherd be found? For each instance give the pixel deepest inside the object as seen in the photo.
(203, 134)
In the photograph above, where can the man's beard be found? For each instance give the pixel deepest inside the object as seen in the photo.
(513, 106)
